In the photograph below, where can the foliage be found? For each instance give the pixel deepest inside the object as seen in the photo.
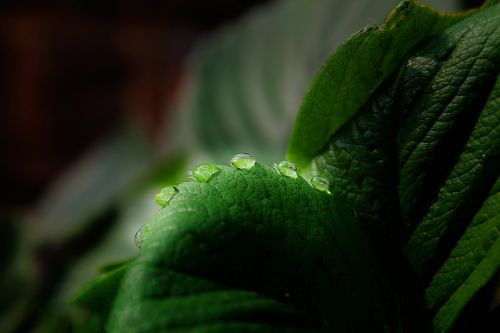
(403, 122)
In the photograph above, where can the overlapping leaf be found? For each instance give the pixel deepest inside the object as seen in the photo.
(428, 141)
(357, 68)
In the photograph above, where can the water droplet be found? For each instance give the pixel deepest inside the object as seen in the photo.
(166, 194)
(320, 184)
(243, 161)
(286, 168)
(203, 172)
(362, 31)
(140, 235)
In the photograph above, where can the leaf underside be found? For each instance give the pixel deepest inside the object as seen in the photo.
(428, 141)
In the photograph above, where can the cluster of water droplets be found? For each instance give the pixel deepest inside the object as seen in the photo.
(289, 169)
(205, 171)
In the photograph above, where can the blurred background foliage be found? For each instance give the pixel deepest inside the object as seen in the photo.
(105, 104)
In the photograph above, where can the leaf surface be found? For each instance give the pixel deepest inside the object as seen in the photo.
(354, 72)
(92, 304)
(422, 155)
(252, 250)
(472, 263)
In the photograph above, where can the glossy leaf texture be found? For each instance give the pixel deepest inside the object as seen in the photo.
(450, 135)
(354, 72)
(419, 159)
(475, 259)
(253, 251)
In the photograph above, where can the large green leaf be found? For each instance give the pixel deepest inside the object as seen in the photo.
(427, 141)
(357, 68)
(449, 160)
(253, 250)
(453, 131)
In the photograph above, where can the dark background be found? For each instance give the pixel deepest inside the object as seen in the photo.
(71, 70)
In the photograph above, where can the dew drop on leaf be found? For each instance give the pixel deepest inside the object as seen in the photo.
(286, 168)
(320, 184)
(203, 172)
(243, 161)
(166, 194)
(140, 235)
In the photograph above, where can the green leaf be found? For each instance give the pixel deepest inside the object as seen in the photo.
(360, 164)
(427, 141)
(475, 259)
(252, 250)
(354, 72)
(490, 3)
(99, 294)
(93, 303)
(457, 256)
(453, 131)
